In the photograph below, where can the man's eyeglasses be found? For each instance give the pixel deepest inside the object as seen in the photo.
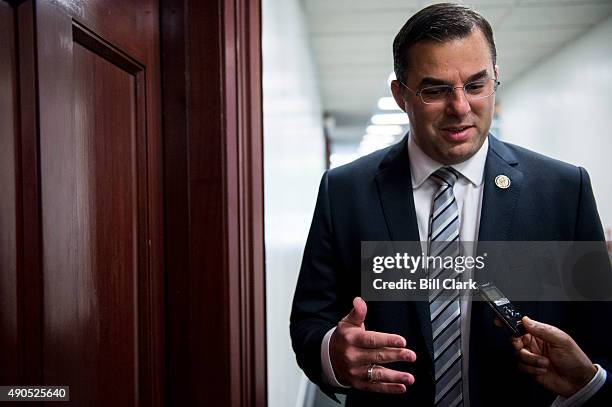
(473, 90)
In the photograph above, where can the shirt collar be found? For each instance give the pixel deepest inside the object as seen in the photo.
(422, 166)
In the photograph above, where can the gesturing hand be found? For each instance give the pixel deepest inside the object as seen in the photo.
(552, 358)
(353, 349)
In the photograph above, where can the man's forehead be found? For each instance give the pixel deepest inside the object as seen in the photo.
(465, 77)
(466, 56)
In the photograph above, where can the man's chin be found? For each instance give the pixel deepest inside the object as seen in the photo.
(458, 153)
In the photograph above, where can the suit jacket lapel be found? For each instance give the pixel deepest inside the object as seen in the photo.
(395, 191)
(498, 204)
(394, 183)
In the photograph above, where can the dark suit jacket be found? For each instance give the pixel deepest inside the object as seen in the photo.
(371, 199)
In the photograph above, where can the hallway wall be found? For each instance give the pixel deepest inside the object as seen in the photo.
(562, 109)
(293, 164)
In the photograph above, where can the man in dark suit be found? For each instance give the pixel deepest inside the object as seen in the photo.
(447, 353)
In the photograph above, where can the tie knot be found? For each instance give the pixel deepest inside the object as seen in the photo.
(445, 176)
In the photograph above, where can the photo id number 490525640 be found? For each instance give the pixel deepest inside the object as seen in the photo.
(34, 393)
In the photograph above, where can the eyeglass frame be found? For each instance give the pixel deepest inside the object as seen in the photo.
(451, 89)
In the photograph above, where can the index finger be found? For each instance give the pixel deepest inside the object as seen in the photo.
(517, 343)
(374, 340)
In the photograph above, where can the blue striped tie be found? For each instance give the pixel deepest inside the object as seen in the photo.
(444, 307)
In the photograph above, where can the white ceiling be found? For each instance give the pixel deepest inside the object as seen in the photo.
(352, 45)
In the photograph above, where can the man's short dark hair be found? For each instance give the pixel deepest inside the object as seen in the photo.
(439, 22)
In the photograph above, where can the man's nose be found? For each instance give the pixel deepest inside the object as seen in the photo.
(458, 104)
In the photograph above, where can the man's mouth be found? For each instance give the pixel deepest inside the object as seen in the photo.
(456, 133)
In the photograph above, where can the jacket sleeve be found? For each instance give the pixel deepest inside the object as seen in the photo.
(315, 308)
(596, 343)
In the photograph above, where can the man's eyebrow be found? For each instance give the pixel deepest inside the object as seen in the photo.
(479, 75)
(429, 81)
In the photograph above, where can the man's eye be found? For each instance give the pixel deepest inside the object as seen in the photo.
(475, 86)
(434, 91)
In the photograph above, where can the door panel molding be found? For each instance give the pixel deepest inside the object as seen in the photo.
(101, 47)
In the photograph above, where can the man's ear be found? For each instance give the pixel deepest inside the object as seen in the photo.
(497, 71)
(396, 90)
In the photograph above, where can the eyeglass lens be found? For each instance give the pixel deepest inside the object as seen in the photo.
(473, 90)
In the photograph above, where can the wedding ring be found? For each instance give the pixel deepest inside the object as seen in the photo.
(370, 371)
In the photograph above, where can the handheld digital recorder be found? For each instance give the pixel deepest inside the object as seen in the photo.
(503, 308)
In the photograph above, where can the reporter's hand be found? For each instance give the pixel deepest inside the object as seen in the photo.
(352, 350)
(552, 358)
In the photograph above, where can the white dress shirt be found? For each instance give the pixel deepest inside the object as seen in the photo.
(468, 193)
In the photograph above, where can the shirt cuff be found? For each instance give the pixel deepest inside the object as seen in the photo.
(584, 394)
(328, 371)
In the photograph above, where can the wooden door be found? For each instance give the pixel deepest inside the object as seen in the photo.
(86, 297)
(91, 295)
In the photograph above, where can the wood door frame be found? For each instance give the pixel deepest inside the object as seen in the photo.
(10, 204)
(212, 110)
(20, 257)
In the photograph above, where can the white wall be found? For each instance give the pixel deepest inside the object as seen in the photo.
(293, 164)
(563, 109)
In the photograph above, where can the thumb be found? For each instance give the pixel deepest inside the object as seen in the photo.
(545, 332)
(358, 313)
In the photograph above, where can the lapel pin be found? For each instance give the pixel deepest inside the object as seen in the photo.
(502, 181)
